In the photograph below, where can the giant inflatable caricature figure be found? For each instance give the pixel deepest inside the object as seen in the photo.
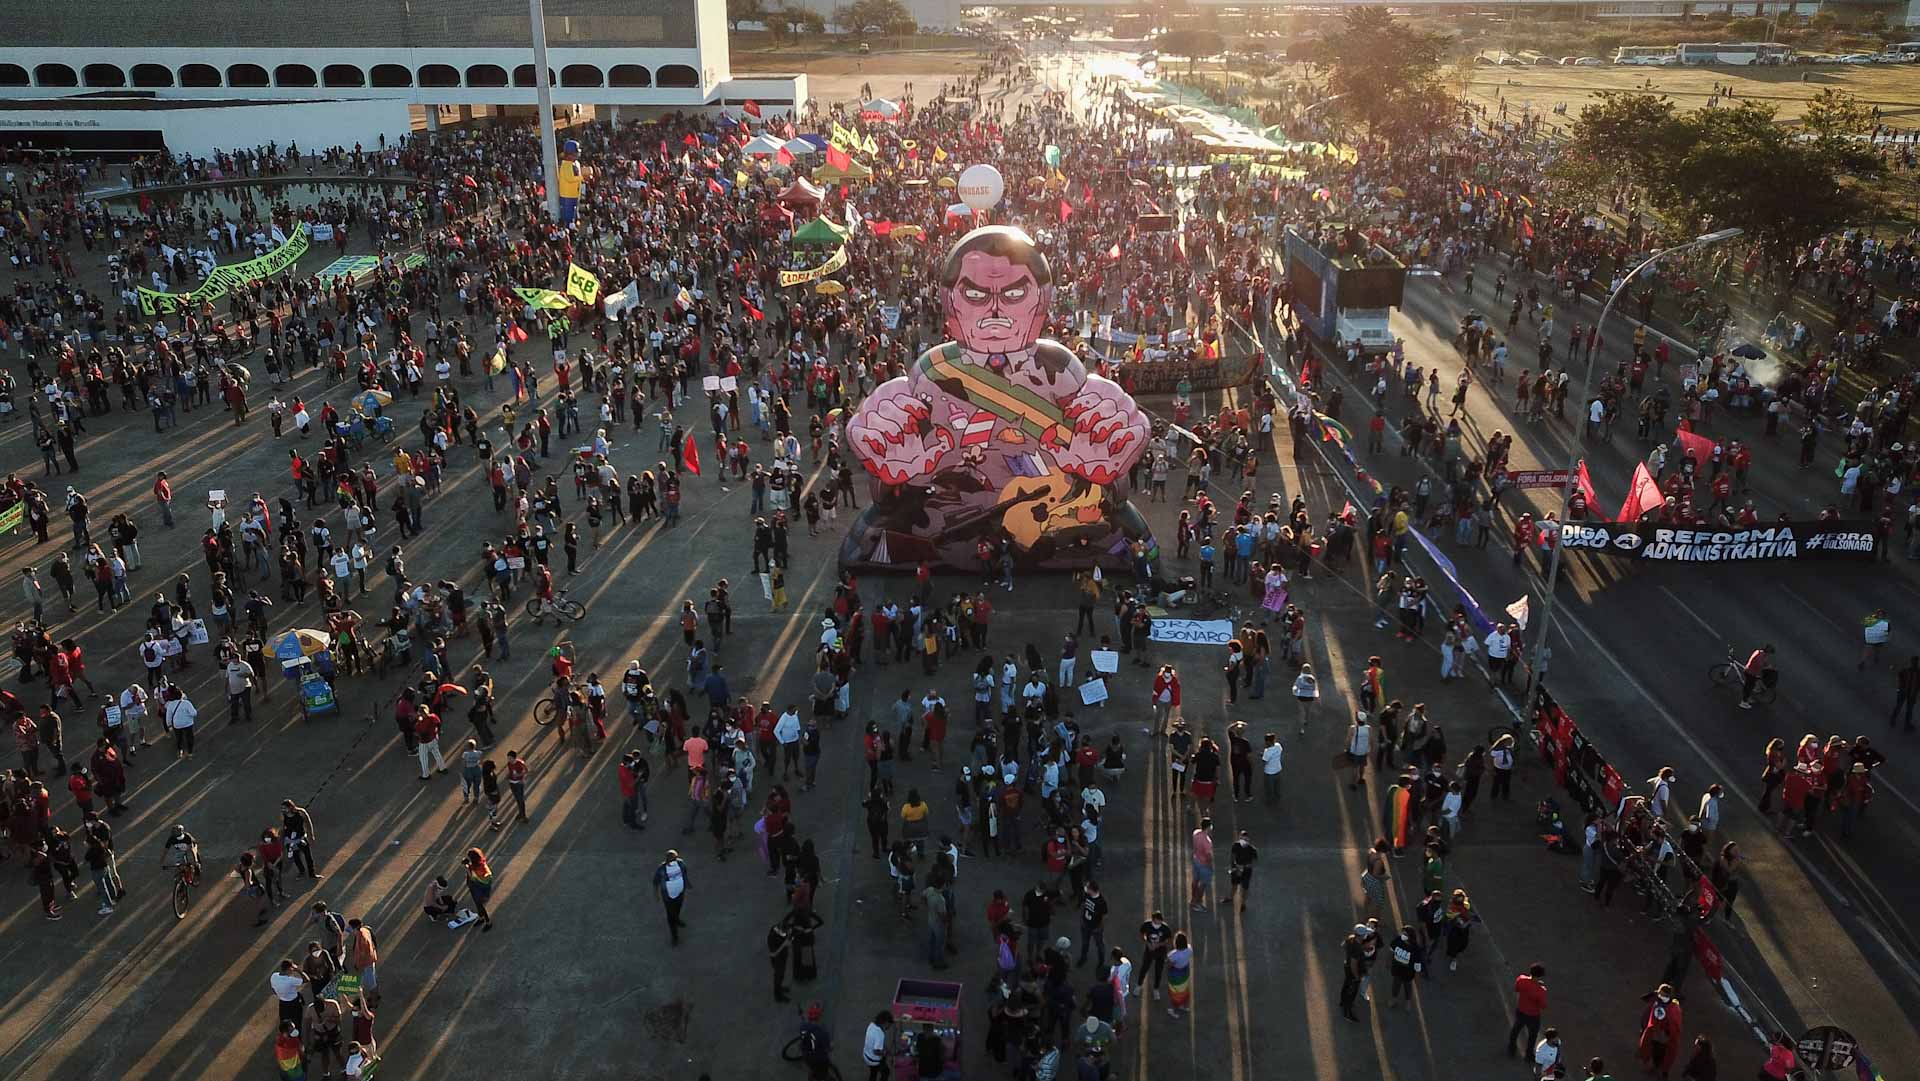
(998, 433)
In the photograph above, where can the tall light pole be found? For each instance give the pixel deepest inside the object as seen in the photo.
(543, 94)
(1540, 649)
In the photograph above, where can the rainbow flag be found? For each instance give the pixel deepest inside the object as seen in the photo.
(1332, 431)
(1863, 1067)
(286, 1053)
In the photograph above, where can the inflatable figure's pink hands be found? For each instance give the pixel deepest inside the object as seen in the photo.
(892, 435)
(1108, 433)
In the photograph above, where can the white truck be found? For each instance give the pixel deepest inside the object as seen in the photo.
(1368, 326)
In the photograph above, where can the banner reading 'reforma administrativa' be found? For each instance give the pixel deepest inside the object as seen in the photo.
(1772, 541)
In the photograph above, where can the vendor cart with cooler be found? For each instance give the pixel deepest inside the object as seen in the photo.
(926, 1016)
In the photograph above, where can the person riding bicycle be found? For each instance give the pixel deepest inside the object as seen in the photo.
(182, 848)
(1759, 663)
(816, 1044)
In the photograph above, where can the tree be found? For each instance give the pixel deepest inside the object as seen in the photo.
(1621, 138)
(786, 21)
(875, 17)
(744, 11)
(1836, 115)
(1192, 43)
(1737, 166)
(1383, 70)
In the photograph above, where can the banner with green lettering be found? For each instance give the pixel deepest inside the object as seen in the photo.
(224, 279)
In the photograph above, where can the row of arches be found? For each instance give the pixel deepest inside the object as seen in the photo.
(348, 76)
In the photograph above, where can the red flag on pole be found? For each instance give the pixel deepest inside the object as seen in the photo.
(690, 456)
(751, 108)
(784, 156)
(1586, 487)
(1643, 495)
(1694, 443)
(1066, 210)
(640, 167)
(753, 313)
(690, 139)
(838, 158)
(714, 186)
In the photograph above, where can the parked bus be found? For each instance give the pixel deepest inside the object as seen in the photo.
(1906, 50)
(1646, 55)
(1738, 55)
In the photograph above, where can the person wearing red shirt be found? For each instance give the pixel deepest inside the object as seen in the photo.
(982, 615)
(1166, 697)
(1530, 1001)
(426, 736)
(163, 495)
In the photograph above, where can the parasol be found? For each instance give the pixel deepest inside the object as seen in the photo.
(829, 288)
(296, 645)
(368, 400)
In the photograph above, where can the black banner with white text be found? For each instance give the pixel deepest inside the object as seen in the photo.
(1760, 543)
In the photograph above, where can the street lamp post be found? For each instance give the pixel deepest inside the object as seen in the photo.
(1540, 653)
(543, 94)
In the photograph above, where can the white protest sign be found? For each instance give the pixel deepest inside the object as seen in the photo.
(1196, 632)
(1093, 692)
(1105, 660)
(710, 384)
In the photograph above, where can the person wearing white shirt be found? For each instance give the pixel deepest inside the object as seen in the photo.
(1660, 791)
(1499, 645)
(1450, 810)
(1709, 816)
(287, 983)
(1546, 1054)
(786, 730)
(873, 1048)
(1270, 762)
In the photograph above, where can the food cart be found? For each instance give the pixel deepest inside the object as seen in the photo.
(926, 1016)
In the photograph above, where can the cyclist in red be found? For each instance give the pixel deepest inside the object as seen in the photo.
(543, 586)
(1752, 672)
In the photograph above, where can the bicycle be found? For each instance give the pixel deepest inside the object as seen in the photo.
(1732, 673)
(185, 877)
(560, 606)
(824, 1070)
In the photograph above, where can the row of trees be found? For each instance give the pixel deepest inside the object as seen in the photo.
(1735, 165)
(1729, 166)
(859, 17)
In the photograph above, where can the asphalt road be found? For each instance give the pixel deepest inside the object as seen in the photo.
(1631, 649)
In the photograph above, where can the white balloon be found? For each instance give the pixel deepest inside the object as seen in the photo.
(980, 187)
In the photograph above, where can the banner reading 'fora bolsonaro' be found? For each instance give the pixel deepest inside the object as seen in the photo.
(1760, 543)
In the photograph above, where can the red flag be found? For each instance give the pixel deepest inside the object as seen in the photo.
(691, 139)
(753, 313)
(1066, 210)
(1696, 444)
(663, 148)
(751, 108)
(1086, 194)
(880, 228)
(837, 158)
(1526, 227)
(1586, 487)
(1643, 495)
(786, 130)
(714, 186)
(690, 456)
(640, 167)
(784, 156)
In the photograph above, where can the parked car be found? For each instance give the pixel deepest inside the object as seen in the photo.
(1856, 58)
(1587, 62)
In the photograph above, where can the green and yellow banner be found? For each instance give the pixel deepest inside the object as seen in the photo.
(549, 299)
(801, 277)
(225, 279)
(582, 285)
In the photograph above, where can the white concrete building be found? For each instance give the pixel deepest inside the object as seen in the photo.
(623, 57)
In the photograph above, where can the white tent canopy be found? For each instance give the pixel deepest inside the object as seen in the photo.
(762, 146)
(882, 106)
(800, 148)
